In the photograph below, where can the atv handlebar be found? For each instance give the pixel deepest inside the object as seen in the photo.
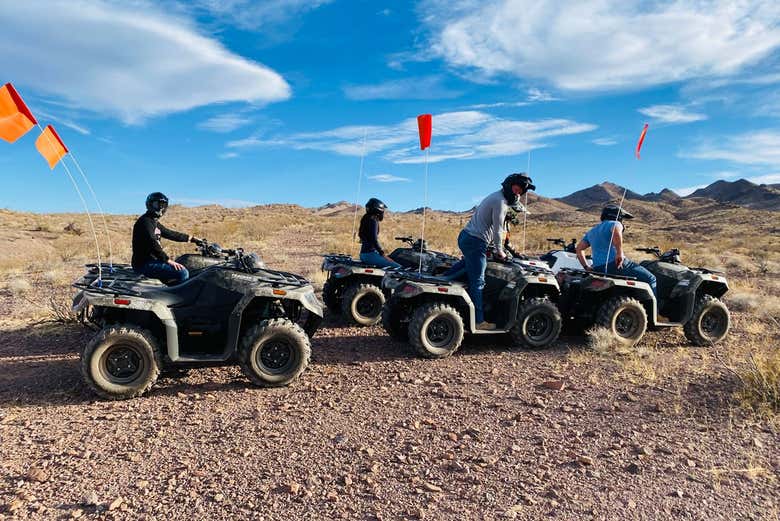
(408, 239)
(655, 250)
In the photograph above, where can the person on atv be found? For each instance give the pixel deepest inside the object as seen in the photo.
(606, 243)
(371, 251)
(486, 228)
(149, 258)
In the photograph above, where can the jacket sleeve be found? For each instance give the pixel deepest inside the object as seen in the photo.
(151, 240)
(375, 233)
(172, 235)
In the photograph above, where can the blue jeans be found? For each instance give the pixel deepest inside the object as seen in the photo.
(377, 260)
(165, 272)
(630, 269)
(475, 261)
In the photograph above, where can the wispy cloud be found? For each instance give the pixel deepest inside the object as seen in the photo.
(688, 190)
(388, 178)
(127, 62)
(228, 155)
(563, 43)
(257, 14)
(425, 87)
(761, 147)
(538, 95)
(457, 135)
(671, 114)
(224, 123)
(768, 179)
(45, 115)
(604, 141)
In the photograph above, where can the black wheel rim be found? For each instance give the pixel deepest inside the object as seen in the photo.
(122, 364)
(276, 356)
(368, 305)
(627, 323)
(714, 323)
(538, 326)
(440, 332)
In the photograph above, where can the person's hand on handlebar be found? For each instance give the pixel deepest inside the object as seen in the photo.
(176, 265)
(197, 241)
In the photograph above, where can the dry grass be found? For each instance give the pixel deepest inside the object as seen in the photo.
(760, 382)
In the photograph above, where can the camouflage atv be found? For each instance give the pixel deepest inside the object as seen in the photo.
(354, 288)
(232, 310)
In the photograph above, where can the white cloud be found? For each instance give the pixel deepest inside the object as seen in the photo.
(44, 115)
(255, 14)
(768, 179)
(671, 114)
(426, 87)
(761, 147)
(682, 192)
(224, 123)
(603, 44)
(456, 135)
(604, 141)
(388, 178)
(538, 95)
(228, 155)
(127, 62)
(498, 104)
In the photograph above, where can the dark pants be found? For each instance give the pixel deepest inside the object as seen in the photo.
(375, 259)
(475, 261)
(630, 269)
(165, 272)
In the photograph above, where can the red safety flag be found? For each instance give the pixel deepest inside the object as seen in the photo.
(424, 124)
(15, 118)
(641, 140)
(51, 146)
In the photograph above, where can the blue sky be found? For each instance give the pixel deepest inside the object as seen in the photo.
(241, 102)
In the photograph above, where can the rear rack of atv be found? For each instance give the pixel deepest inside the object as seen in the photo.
(584, 273)
(114, 280)
(342, 258)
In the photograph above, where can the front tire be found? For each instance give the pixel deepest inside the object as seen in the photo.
(625, 318)
(362, 303)
(274, 352)
(435, 331)
(710, 322)
(121, 362)
(538, 324)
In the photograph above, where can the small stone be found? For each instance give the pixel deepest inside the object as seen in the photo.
(142, 484)
(219, 498)
(346, 480)
(90, 499)
(293, 488)
(511, 512)
(633, 468)
(631, 504)
(430, 487)
(555, 385)
(37, 474)
(678, 493)
(115, 503)
(631, 397)
(585, 461)
(332, 496)
(15, 505)
(452, 436)
(77, 513)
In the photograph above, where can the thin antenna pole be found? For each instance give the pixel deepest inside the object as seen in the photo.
(86, 209)
(525, 213)
(425, 203)
(100, 209)
(609, 248)
(360, 179)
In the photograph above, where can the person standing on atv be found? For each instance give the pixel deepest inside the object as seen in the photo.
(371, 251)
(606, 243)
(149, 258)
(485, 228)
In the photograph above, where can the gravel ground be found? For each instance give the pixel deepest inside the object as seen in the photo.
(370, 432)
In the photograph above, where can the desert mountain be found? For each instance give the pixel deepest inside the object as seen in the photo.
(597, 195)
(743, 193)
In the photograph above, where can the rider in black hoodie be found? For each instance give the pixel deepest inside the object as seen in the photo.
(148, 256)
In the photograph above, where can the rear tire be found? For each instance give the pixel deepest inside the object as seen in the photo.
(330, 297)
(393, 314)
(625, 318)
(274, 352)
(121, 362)
(362, 303)
(435, 331)
(710, 322)
(538, 324)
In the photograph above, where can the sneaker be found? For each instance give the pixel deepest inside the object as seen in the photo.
(486, 326)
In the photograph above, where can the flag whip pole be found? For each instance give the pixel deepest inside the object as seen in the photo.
(425, 203)
(360, 179)
(100, 209)
(86, 209)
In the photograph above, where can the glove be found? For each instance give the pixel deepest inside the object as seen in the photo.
(198, 242)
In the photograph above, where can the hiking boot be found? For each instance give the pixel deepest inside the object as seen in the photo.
(486, 326)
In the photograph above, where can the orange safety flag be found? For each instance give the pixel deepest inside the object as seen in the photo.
(641, 140)
(424, 126)
(15, 118)
(50, 146)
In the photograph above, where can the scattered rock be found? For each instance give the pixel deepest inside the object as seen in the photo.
(293, 488)
(585, 461)
(90, 499)
(115, 503)
(37, 474)
(430, 487)
(555, 385)
(633, 468)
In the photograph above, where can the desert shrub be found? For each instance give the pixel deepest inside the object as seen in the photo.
(760, 382)
(18, 286)
(743, 301)
(602, 342)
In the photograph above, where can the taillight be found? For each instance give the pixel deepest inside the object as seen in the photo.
(122, 301)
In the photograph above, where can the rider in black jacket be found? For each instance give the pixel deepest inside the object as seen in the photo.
(148, 256)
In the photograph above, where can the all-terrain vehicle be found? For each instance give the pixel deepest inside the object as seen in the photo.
(687, 297)
(433, 313)
(232, 310)
(354, 288)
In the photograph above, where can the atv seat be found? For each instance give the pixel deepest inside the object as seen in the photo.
(184, 293)
(423, 277)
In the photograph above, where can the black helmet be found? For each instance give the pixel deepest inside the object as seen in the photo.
(376, 207)
(613, 212)
(157, 204)
(519, 179)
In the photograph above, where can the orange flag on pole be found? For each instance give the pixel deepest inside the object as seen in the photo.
(641, 140)
(51, 146)
(15, 118)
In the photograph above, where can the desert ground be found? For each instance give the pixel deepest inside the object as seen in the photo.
(578, 431)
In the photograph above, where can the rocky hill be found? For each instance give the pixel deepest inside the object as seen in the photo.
(742, 193)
